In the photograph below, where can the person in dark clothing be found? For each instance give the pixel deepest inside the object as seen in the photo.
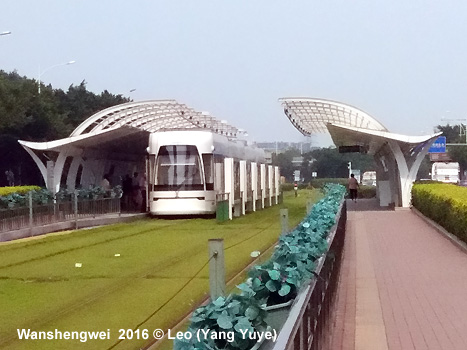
(127, 191)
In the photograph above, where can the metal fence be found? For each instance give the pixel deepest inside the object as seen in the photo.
(38, 215)
(309, 323)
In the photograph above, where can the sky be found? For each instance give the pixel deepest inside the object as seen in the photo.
(403, 62)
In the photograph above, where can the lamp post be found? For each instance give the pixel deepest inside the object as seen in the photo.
(47, 69)
(5, 33)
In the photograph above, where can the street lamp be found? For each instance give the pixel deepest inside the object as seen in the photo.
(47, 69)
(5, 33)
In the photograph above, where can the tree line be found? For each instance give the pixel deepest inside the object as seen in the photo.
(326, 162)
(329, 163)
(53, 114)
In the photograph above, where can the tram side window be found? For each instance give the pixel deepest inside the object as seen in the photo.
(208, 162)
(178, 169)
(152, 171)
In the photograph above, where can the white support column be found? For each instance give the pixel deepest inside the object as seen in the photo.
(277, 176)
(39, 163)
(50, 181)
(263, 184)
(73, 173)
(57, 172)
(254, 184)
(270, 185)
(243, 185)
(229, 182)
(408, 175)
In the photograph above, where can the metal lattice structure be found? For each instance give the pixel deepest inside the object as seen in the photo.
(397, 157)
(152, 116)
(311, 115)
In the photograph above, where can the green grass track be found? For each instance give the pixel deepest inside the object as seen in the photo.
(42, 290)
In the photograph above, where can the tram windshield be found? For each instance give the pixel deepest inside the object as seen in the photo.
(178, 169)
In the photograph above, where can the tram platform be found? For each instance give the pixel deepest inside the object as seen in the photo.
(402, 285)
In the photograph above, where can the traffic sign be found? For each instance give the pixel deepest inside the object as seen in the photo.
(439, 146)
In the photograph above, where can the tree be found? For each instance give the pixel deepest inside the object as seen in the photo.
(284, 161)
(458, 153)
(26, 115)
(330, 163)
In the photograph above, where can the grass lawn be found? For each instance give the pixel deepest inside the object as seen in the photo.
(41, 289)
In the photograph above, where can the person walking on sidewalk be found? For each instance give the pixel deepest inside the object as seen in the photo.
(353, 187)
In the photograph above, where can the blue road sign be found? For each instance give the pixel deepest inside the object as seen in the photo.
(439, 146)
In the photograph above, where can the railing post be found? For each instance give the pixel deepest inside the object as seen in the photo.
(56, 210)
(216, 268)
(75, 208)
(31, 218)
(284, 213)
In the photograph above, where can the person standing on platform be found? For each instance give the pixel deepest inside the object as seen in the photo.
(127, 192)
(353, 187)
(136, 192)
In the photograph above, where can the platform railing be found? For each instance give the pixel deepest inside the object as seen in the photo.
(38, 215)
(309, 322)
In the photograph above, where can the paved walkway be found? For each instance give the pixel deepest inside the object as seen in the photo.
(403, 285)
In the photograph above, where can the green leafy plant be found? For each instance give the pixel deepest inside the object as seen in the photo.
(276, 281)
(20, 199)
(224, 323)
(293, 262)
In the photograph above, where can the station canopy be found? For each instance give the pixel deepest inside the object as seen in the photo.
(118, 127)
(348, 125)
(397, 157)
(115, 140)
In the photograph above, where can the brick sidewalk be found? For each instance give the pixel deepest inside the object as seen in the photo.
(403, 285)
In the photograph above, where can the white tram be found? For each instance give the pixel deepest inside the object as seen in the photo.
(187, 169)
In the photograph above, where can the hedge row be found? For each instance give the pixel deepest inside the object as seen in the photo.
(363, 191)
(445, 204)
(16, 197)
(5, 191)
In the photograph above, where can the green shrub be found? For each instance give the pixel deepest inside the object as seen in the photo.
(287, 186)
(445, 204)
(367, 191)
(236, 315)
(20, 199)
(319, 183)
(5, 191)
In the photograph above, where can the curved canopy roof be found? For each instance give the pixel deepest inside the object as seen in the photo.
(126, 127)
(347, 125)
(152, 116)
(311, 115)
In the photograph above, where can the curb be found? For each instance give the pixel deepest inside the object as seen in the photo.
(448, 235)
